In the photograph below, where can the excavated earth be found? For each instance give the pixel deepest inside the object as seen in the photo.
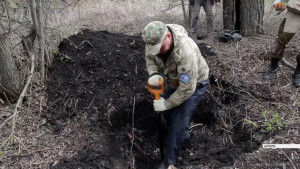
(102, 75)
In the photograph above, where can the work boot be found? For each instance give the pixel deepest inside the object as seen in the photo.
(272, 70)
(296, 74)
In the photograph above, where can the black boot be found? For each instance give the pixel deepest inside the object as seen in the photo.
(272, 70)
(296, 75)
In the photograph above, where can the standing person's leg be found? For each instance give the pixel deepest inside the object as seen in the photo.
(293, 26)
(277, 49)
(179, 123)
(195, 9)
(209, 16)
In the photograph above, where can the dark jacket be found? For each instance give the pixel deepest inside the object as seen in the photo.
(192, 2)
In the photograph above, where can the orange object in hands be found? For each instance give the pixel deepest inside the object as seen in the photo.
(157, 90)
(279, 6)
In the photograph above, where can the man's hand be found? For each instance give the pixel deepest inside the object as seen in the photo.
(159, 105)
(153, 80)
(278, 5)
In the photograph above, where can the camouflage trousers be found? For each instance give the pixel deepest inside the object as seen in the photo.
(195, 10)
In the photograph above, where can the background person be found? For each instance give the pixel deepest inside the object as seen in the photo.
(289, 26)
(195, 6)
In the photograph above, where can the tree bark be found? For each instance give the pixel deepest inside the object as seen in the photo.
(228, 14)
(252, 13)
(28, 42)
(9, 77)
(36, 8)
(41, 37)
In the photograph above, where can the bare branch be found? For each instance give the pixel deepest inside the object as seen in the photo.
(286, 63)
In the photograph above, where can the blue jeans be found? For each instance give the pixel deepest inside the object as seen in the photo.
(178, 120)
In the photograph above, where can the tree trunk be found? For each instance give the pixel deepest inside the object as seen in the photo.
(9, 77)
(186, 21)
(228, 14)
(252, 13)
(32, 5)
(38, 22)
(244, 16)
(41, 37)
(190, 17)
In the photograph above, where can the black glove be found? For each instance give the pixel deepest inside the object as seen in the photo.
(192, 2)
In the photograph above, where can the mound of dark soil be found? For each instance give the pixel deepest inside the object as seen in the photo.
(103, 75)
(95, 72)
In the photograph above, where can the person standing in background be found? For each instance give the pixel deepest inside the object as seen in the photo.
(195, 6)
(289, 26)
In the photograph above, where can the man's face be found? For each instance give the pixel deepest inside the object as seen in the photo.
(166, 45)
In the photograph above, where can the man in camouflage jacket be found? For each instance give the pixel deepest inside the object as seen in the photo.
(289, 26)
(173, 56)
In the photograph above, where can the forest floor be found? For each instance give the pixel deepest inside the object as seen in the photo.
(96, 99)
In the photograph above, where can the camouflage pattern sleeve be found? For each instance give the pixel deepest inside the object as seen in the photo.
(187, 69)
(151, 64)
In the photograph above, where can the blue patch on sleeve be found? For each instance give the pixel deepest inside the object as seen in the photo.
(184, 78)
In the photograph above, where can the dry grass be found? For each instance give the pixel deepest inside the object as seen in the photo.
(243, 65)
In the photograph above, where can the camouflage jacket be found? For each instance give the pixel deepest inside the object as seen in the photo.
(184, 67)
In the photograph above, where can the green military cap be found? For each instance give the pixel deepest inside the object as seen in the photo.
(153, 34)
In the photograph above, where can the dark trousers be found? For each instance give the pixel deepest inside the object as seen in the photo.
(178, 120)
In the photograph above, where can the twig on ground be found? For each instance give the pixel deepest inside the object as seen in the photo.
(286, 63)
(249, 95)
(132, 132)
(292, 164)
(195, 126)
(79, 46)
(10, 93)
